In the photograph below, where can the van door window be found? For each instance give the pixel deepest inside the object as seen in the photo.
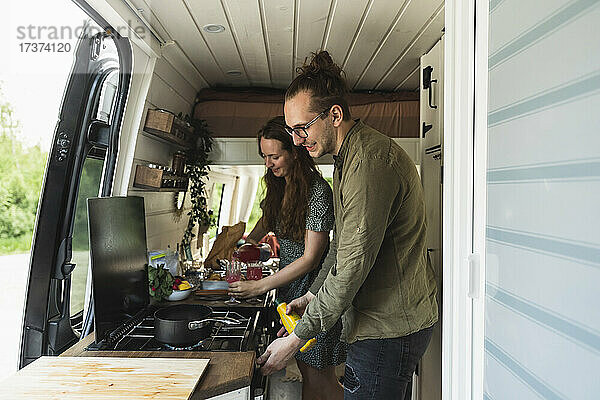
(89, 186)
(107, 96)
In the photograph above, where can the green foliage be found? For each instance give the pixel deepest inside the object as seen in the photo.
(256, 212)
(160, 282)
(21, 169)
(17, 244)
(215, 205)
(197, 168)
(89, 186)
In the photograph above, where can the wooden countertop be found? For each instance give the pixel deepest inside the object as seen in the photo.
(226, 371)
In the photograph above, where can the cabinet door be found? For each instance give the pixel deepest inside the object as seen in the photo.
(430, 366)
(431, 96)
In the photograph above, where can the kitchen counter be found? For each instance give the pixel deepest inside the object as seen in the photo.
(227, 371)
(218, 301)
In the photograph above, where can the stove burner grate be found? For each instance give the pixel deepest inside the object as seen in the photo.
(197, 346)
(139, 335)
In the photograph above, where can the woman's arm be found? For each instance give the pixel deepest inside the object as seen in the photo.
(258, 232)
(315, 244)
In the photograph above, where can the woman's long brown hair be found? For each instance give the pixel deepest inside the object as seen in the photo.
(287, 203)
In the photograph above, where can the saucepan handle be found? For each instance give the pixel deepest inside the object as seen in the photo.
(192, 325)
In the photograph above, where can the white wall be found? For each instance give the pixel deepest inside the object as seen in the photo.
(542, 325)
(169, 89)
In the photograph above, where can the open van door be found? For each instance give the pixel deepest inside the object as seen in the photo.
(80, 164)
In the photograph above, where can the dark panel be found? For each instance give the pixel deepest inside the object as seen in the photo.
(117, 229)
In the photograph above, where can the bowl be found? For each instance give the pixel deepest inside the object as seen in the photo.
(180, 294)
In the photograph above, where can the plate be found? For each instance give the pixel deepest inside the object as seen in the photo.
(215, 285)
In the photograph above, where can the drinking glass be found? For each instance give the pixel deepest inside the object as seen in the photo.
(233, 273)
(254, 273)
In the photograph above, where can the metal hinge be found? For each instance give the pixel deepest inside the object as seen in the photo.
(474, 275)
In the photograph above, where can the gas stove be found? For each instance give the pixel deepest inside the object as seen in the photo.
(137, 334)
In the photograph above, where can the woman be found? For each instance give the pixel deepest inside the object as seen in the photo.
(298, 207)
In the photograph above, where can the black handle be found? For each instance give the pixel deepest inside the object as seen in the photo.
(431, 105)
(427, 81)
(426, 128)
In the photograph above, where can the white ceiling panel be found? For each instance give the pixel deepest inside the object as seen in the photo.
(400, 36)
(178, 22)
(221, 45)
(246, 26)
(145, 12)
(376, 24)
(279, 22)
(377, 42)
(311, 22)
(411, 82)
(347, 16)
(422, 43)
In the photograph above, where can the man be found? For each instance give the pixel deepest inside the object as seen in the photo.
(380, 281)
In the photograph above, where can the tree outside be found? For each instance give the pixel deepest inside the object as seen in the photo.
(22, 170)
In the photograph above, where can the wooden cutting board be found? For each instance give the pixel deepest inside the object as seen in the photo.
(104, 378)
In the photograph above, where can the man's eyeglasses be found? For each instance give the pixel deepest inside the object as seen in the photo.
(300, 131)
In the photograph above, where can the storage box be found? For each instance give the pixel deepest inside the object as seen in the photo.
(146, 177)
(159, 120)
(167, 126)
(158, 179)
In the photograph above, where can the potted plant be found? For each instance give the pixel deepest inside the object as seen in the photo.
(197, 169)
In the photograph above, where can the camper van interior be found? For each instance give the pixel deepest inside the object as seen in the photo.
(418, 71)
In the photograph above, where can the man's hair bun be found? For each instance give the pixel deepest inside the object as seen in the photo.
(324, 80)
(321, 63)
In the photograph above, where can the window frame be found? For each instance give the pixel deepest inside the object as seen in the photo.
(47, 324)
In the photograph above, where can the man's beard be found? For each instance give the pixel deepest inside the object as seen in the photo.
(328, 143)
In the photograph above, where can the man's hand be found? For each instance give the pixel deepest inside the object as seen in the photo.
(278, 353)
(299, 305)
(245, 289)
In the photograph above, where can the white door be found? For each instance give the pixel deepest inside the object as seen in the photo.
(541, 337)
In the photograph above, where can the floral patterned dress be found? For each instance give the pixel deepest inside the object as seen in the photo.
(328, 350)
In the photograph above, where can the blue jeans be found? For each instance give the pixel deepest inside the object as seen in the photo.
(383, 368)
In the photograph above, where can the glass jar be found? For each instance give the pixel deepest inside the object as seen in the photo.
(178, 163)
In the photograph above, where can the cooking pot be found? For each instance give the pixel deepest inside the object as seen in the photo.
(184, 325)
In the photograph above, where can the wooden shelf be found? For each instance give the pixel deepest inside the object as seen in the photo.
(157, 180)
(151, 189)
(167, 141)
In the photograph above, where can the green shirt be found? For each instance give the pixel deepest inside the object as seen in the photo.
(378, 279)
